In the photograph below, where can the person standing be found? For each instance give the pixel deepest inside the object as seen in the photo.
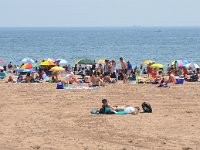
(113, 69)
(10, 67)
(124, 69)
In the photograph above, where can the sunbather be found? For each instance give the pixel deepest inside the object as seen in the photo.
(113, 109)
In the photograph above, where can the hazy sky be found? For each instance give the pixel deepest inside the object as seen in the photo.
(69, 13)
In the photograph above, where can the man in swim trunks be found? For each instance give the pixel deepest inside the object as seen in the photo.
(124, 69)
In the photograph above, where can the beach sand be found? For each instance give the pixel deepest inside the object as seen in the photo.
(38, 116)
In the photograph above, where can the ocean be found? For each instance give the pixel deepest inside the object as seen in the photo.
(135, 44)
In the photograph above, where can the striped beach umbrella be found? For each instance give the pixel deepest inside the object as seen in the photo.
(180, 63)
(29, 65)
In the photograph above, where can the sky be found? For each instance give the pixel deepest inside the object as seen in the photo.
(87, 13)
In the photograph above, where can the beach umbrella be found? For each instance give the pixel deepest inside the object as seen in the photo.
(157, 66)
(146, 62)
(57, 68)
(1, 68)
(1, 61)
(50, 59)
(61, 61)
(77, 61)
(47, 63)
(101, 61)
(86, 62)
(180, 63)
(192, 65)
(26, 70)
(26, 60)
(29, 65)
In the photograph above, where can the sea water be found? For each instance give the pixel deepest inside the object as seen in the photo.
(135, 44)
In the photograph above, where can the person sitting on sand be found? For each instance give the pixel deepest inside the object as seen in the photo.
(108, 79)
(95, 80)
(172, 78)
(55, 75)
(45, 77)
(10, 79)
(71, 78)
(28, 78)
(163, 83)
(20, 78)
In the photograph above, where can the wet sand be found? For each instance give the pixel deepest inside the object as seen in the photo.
(38, 116)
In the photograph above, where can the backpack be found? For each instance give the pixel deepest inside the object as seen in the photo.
(146, 107)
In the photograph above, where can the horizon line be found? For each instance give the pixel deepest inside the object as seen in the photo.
(134, 26)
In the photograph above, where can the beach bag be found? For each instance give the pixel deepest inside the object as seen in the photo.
(146, 107)
(60, 85)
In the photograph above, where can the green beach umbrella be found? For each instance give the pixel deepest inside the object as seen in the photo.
(86, 62)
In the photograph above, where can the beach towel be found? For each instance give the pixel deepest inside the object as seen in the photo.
(95, 111)
(80, 87)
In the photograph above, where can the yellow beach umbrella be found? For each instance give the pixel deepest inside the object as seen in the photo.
(47, 63)
(157, 66)
(146, 62)
(101, 61)
(57, 68)
(77, 61)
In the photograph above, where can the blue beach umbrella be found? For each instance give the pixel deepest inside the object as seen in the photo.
(26, 70)
(61, 61)
(27, 60)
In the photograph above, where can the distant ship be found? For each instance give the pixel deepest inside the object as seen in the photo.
(158, 31)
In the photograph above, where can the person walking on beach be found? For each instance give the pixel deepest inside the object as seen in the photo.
(124, 69)
(9, 67)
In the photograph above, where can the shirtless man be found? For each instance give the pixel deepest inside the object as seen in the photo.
(124, 69)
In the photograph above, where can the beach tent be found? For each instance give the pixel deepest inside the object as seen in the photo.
(192, 65)
(26, 60)
(86, 62)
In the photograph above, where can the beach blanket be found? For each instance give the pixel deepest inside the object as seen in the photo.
(95, 111)
(80, 87)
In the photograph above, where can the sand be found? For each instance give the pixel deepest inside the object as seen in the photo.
(38, 116)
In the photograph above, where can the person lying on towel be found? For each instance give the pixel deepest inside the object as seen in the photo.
(108, 109)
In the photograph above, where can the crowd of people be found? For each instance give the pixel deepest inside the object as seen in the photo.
(98, 74)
